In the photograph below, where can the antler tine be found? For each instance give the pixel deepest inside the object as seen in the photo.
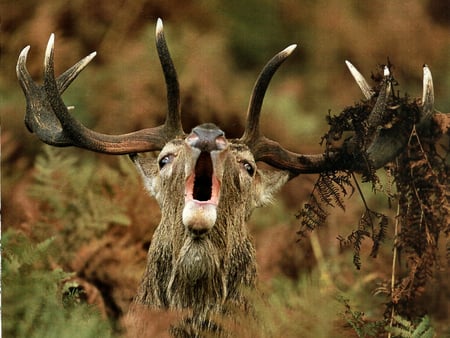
(385, 143)
(25, 80)
(360, 80)
(376, 115)
(172, 125)
(65, 79)
(427, 94)
(39, 117)
(251, 133)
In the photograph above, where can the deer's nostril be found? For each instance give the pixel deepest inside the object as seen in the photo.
(207, 137)
(221, 142)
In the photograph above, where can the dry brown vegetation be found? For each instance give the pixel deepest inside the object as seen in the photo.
(218, 49)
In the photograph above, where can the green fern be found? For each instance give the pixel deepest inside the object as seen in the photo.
(358, 322)
(32, 297)
(405, 329)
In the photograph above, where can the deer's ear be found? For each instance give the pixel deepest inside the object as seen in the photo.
(268, 181)
(147, 166)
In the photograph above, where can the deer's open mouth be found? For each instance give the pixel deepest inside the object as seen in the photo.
(202, 186)
(201, 197)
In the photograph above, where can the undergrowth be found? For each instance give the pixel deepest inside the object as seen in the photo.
(34, 303)
(78, 200)
(357, 320)
(406, 329)
(306, 307)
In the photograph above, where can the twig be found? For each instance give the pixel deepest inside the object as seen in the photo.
(394, 260)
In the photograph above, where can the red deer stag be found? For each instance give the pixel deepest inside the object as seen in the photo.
(201, 256)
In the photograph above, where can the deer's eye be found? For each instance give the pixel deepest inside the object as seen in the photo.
(248, 167)
(165, 160)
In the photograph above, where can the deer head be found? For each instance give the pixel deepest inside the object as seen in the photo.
(207, 185)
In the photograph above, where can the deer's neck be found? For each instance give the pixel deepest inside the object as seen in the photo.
(198, 274)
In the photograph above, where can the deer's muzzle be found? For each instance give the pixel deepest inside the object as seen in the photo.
(202, 189)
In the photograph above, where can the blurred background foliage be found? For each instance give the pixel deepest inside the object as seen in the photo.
(93, 206)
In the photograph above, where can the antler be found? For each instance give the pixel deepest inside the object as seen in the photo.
(49, 117)
(252, 133)
(384, 146)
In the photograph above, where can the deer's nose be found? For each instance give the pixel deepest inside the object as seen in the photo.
(207, 137)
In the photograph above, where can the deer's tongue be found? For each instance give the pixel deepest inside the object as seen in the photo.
(201, 196)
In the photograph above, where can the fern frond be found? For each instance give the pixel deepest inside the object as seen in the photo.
(424, 329)
(357, 320)
(328, 191)
(406, 329)
(378, 236)
(312, 215)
